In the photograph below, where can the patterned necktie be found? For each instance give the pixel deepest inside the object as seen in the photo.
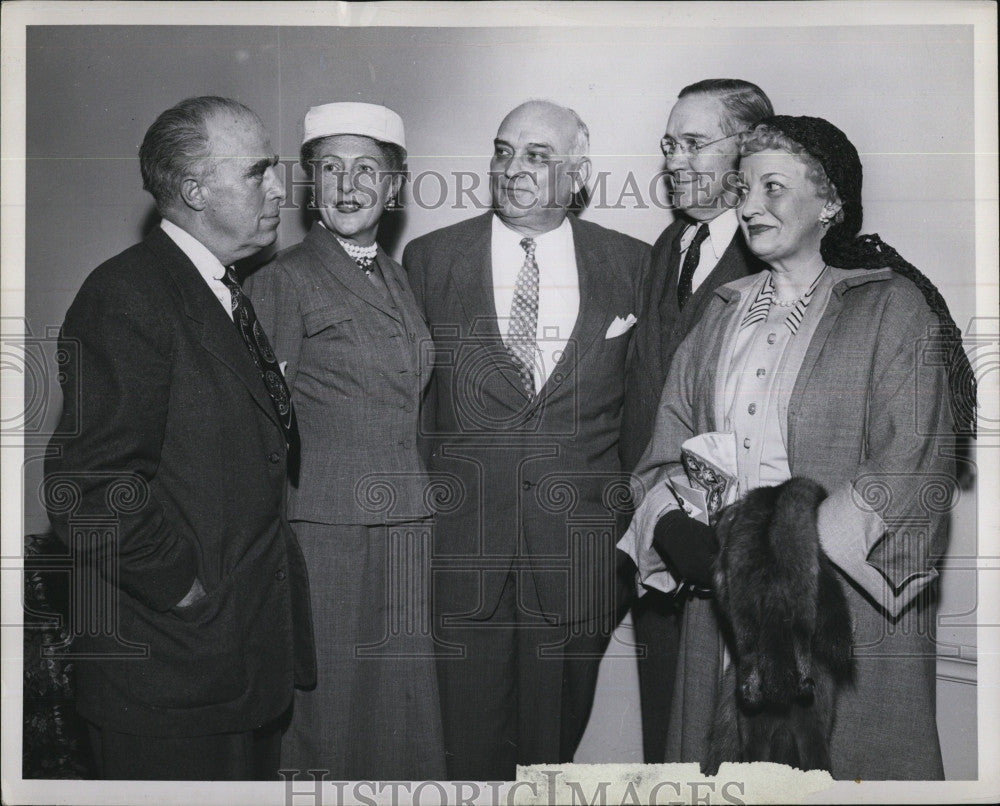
(691, 259)
(524, 318)
(263, 357)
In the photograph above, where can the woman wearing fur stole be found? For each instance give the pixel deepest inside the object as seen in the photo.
(841, 365)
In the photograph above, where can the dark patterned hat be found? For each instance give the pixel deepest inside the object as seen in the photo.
(843, 247)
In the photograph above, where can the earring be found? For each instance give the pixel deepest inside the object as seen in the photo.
(825, 217)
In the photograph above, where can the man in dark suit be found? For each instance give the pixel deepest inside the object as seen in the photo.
(531, 312)
(180, 433)
(700, 251)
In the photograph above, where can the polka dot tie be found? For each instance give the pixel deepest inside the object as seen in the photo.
(263, 357)
(524, 318)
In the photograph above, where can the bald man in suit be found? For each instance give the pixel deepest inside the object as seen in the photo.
(531, 311)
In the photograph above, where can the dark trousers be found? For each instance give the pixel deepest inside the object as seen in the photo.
(523, 690)
(657, 620)
(248, 756)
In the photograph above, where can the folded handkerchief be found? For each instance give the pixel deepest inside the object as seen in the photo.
(710, 463)
(708, 484)
(620, 326)
(637, 542)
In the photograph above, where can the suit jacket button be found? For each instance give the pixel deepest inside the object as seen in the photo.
(280, 575)
(273, 457)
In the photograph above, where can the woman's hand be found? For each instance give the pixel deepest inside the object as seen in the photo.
(688, 546)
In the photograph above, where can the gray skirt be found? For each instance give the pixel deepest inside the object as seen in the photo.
(375, 713)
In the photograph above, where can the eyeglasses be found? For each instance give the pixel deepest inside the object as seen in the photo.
(690, 148)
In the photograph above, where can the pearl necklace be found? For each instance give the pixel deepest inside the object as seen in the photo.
(356, 251)
(791, 303)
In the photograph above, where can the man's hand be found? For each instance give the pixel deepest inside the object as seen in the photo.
(687, 546)
(197, 592)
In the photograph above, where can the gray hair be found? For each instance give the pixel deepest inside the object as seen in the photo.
(745, 103)
(177, 141)
(581, 140)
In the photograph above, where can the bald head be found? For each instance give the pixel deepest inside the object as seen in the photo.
(560, 118)
(539, 163)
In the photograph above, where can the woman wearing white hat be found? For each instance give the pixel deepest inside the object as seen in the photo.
(342, 319)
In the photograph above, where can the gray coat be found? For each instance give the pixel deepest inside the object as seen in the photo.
(663, 326)
(867, 418)
(353, 368)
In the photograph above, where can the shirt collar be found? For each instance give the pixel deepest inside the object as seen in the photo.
(721, 230)
(761, 306)
(205, 262)
(505, 234)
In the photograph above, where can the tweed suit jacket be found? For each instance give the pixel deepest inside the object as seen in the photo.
(170, 466)
(868, 418)
(662, 326)
(352, 353)
(537, 478)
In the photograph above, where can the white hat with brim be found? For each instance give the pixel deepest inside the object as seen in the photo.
(366, 120)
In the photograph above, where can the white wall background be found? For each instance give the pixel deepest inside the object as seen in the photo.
(903, 94)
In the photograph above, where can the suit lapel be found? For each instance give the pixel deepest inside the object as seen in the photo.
(736, 262)
(218, 334)
(472, 276)
(343, 268)
(672, 270)
(594, 268)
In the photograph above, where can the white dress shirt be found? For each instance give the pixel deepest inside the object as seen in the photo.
(558, 288)
(721, 231)
(205, 262)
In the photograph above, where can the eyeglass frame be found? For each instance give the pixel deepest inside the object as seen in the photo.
(693, 151)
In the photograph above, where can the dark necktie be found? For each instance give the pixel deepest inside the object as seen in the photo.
(261, 354)
(691, 259)
(524, 318)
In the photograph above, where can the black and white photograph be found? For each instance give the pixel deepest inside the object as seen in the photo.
(500, 403)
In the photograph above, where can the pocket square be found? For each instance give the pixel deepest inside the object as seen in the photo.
(620, 326)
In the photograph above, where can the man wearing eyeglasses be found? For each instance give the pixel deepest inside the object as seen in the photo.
(701, 250)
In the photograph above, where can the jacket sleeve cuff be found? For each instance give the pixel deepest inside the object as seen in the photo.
(854, 537)
(161, 588)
